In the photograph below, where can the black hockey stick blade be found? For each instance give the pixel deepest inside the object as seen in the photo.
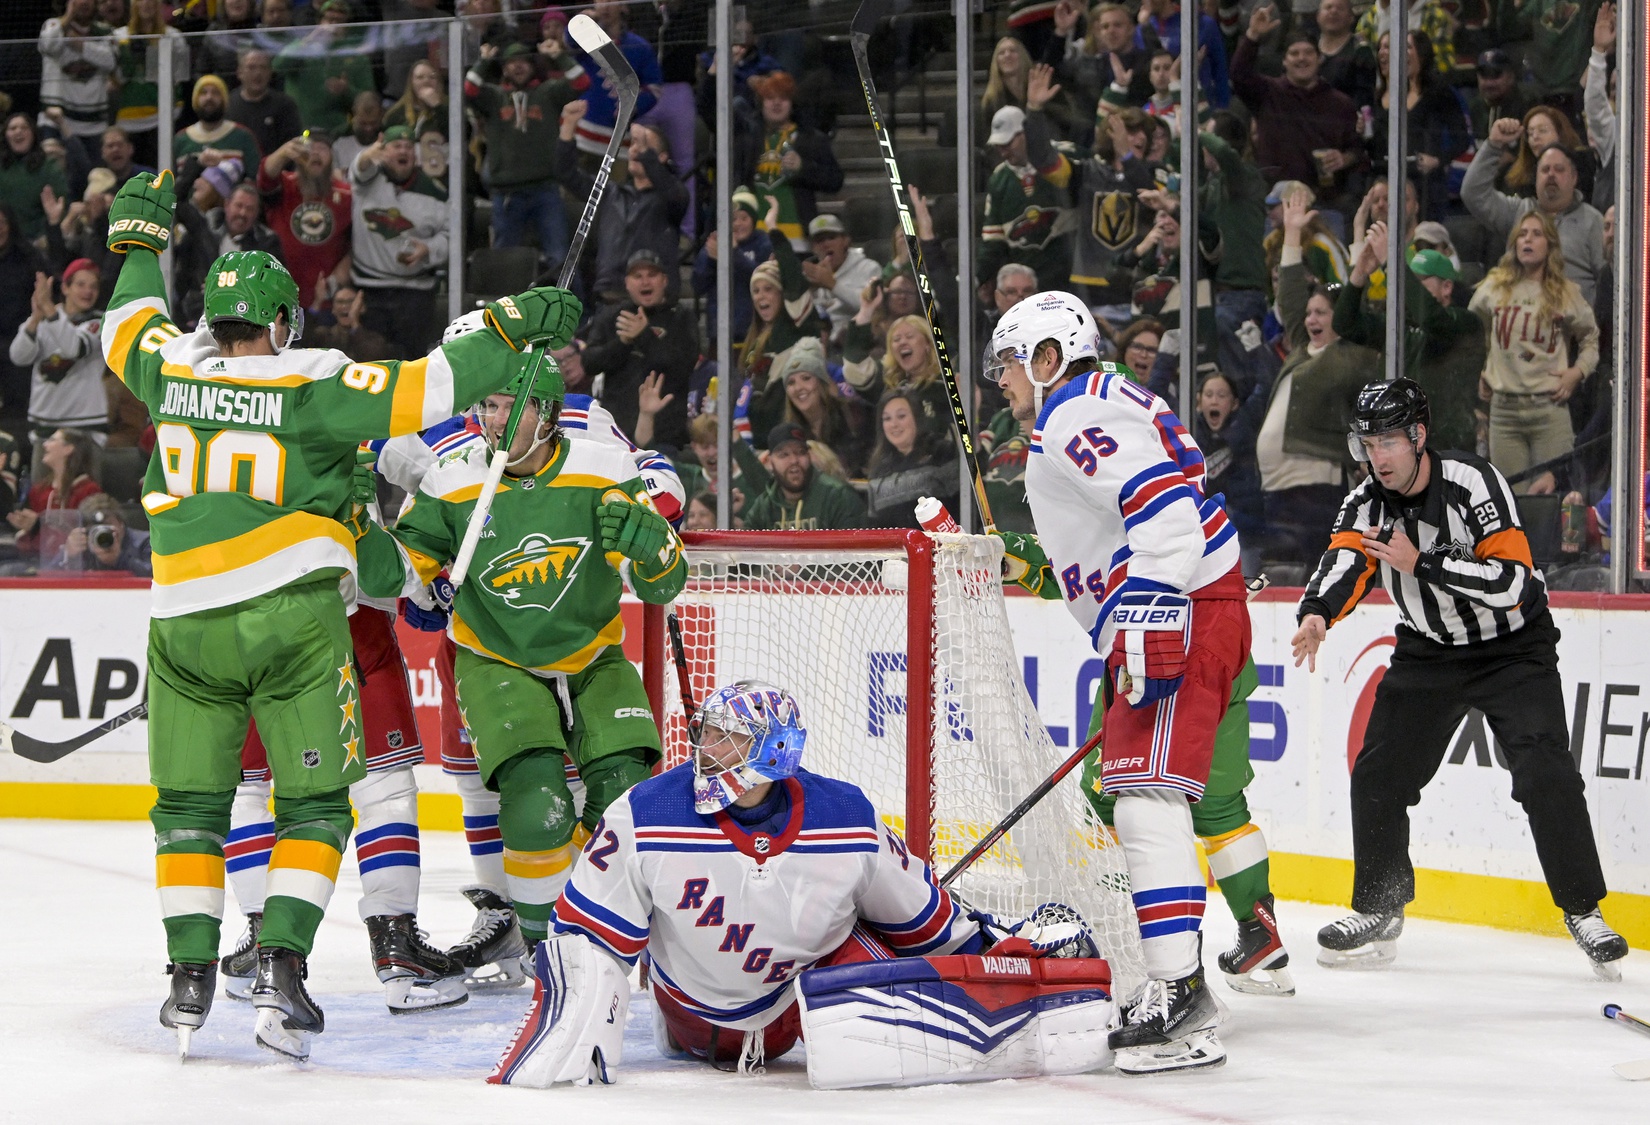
(1613, 1012)
(684, 682)
(35, 750)
(866, 18)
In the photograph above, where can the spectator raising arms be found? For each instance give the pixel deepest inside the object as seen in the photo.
(601, 111)
(1534, 317)
(520, 116)
(1304, 127)
(78, 57)
(642, 212)
(1112, 220)
(782, 312)
(61, 343)
(784, 160)
(1027, 204)
(399, 238)
(1557, 196)
(25, 175)
(838, 271)
(1544, 127)
(1303, 417)
(140, 42)
(309, 210)
(326, 69)
(911, 461)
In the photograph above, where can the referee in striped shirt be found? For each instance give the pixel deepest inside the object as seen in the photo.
(1440, 532)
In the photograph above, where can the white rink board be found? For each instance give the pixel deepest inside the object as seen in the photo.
(1466, 822)
(1300, 724)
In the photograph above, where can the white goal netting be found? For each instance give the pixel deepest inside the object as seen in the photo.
(834, 626)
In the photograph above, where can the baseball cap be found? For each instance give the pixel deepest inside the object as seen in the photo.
(99, 181)
(1006, 124)
(786, 432)
(517, 50)
(643, 259)
(76, 266)
(825, 224)
(1494, 61)
(397, 133)
(1431, 263)
(1284, 188)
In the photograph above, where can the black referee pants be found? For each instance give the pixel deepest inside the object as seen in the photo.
(1420, 702)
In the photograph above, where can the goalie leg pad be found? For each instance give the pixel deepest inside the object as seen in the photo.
(922, 1020)
(386, 841)
(574, 1028)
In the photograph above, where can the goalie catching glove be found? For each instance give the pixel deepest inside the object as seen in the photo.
(1148, 650)
(638, 533)
(141, 213)
(543, 315)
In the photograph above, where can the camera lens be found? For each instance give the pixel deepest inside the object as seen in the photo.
(103, 537)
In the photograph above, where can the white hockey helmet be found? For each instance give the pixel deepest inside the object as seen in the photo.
(471, 321)
(1051, 315)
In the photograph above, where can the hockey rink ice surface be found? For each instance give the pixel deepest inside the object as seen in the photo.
(1470, 1025)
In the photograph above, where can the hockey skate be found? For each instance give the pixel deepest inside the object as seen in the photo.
(241, 966)
(493, 952)
(1258, 965)
(1602, 945)
(288, 1020)
(186, 1009)
(1170, 1026)
(1361, 941)
(416, 976)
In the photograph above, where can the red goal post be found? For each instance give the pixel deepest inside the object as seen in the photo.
(897, 647)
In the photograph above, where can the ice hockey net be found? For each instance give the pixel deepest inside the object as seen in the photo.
(897, 647)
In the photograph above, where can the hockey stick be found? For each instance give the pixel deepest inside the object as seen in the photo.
(684, 682)
(37, 751)
(593, 41)
(1634, 1070)
(1254, 586)
(865, 21)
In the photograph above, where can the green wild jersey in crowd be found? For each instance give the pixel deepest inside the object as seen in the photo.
(254, 454)
(541, 592)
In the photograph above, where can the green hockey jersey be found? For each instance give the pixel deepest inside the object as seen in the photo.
(541, 593)
(254, 454)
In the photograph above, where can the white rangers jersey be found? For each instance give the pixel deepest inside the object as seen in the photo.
(1116, 489)
(403, 461)
(730, 917)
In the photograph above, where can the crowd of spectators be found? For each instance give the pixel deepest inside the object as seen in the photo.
(318, 130)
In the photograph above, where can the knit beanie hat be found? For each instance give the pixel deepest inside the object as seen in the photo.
(204, 81)
(744, 199)
(769, 272)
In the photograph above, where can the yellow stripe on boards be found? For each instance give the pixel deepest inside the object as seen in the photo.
(243, 550)
(407, 400)
(188, 869)
(538, 865)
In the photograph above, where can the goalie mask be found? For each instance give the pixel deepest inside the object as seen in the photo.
(1053, 316)
(746, 734)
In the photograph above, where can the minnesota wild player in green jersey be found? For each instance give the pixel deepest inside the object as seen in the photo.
(539, 665)
(248, 494)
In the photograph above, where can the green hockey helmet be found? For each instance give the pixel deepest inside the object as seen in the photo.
(253, 286)
(539, 377)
